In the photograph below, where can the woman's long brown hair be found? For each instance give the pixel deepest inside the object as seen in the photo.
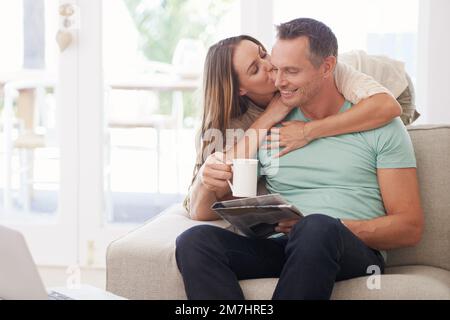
(221, 99)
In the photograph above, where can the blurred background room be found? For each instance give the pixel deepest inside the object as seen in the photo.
(100, 102)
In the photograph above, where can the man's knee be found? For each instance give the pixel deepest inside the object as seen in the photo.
(195, 246)
(194, 237)
(317, 226)
(315, 236)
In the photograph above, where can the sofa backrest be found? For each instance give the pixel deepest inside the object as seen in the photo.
(432, 148)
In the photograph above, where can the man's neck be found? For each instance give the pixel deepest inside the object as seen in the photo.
(328, 102)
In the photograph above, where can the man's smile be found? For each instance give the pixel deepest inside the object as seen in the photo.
(288, 93)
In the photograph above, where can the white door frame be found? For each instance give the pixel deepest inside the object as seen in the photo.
(95, 234)
(433, 64)
(54, 241)
(257, 20)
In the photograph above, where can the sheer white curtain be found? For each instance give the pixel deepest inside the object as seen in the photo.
(434, 64)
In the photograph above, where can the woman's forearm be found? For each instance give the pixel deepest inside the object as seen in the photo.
(249, 144)
(368, 114)
(201, 200)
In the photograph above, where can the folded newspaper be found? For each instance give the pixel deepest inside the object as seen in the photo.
(257, 217)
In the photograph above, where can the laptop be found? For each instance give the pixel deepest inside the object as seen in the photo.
(20, 280)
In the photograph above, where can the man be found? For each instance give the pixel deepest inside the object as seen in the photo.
(359, 192)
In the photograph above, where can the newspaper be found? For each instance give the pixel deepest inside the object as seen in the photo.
(257, 217)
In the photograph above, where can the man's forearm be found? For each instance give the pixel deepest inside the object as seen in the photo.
(387, 232)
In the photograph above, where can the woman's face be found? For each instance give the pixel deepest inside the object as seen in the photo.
(253, 68)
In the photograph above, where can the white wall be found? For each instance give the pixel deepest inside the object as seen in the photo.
(11, 35)
(257, 20)
(433, 83)
(433, 76)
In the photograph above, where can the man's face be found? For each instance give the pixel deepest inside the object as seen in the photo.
(294, 74)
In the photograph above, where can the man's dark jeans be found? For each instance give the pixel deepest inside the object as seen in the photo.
(319, 251)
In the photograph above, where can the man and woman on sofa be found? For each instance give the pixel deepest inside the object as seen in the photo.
(347, 163)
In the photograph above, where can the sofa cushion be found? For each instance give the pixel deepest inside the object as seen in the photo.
(142, 265)
(432, 148)
(408, 283)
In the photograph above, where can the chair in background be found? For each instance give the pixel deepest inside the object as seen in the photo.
(173, 121)
(187, 63)
(33, 131)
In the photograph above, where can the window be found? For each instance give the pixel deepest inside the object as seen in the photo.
(378, 27)
(30, 185)
(150, 48)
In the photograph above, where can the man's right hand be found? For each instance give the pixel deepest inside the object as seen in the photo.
(285, 226)
(214, 174)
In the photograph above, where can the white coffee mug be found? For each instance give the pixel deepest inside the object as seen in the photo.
(245, 177)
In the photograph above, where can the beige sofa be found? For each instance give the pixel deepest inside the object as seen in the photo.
(142, 264)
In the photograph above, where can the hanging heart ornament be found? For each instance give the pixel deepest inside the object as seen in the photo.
(64, 39)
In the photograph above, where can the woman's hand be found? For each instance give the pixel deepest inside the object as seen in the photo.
(214, 174)
(291, 135)
(285, 226)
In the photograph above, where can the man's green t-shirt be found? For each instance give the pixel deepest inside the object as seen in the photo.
(337, 176)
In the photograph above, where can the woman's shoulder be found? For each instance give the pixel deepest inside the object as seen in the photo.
(245, 120)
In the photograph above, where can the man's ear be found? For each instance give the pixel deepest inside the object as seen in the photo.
(242, 92)
(328, 66)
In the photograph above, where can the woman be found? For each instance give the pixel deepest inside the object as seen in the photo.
(239, 93)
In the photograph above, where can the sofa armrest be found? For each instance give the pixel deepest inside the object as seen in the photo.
(141, 265)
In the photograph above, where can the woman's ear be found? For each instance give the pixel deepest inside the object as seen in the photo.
(329, 64)
(242, 92)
